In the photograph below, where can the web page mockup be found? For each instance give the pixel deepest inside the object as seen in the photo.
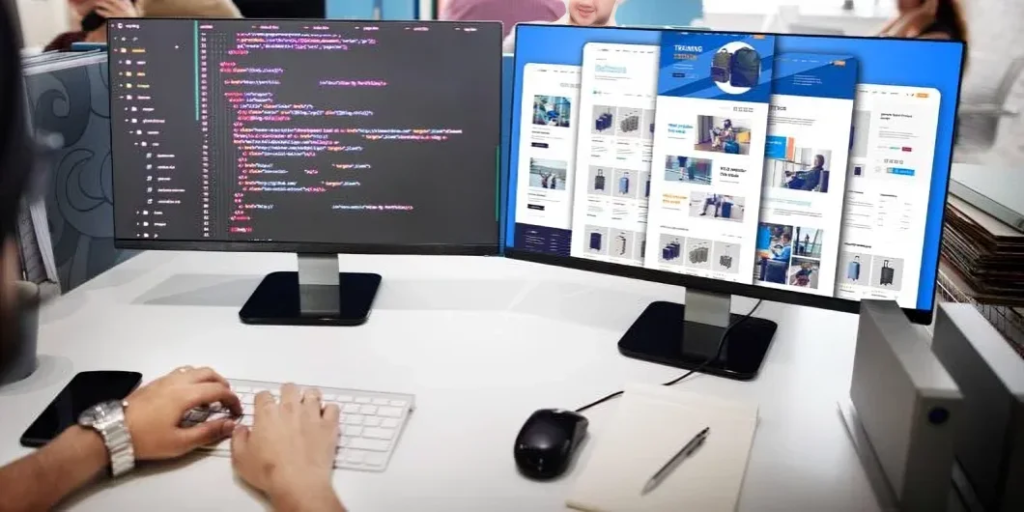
(709, 138)
(887, 193)
(547, 150)
(805, 164)
(613, 157)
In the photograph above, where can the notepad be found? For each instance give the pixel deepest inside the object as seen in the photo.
(651, 425)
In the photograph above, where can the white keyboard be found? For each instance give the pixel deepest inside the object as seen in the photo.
(371, 421)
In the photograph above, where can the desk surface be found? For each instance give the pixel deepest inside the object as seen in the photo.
(481, 342)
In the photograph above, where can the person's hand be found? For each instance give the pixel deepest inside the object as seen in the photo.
(290, 449)
(116, 9)
(155, 411)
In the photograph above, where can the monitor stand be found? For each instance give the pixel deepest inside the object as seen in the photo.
(315, 295)
(687, 336)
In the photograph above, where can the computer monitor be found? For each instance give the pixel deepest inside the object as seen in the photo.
(804, 169)
(315, 137)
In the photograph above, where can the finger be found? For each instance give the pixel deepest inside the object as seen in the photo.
(332, 413)
(311, 402)
(239, 444)
(210, 392)
(206, 374)
(290, 395)
(263, 401)
(205, 433)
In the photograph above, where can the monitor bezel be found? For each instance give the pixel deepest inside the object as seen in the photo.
(465, 249)
(916, 315)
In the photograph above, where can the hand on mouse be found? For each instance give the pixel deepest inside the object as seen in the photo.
(154, 413)
(289, 453)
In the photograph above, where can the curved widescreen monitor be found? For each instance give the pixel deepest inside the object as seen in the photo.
(307, 136)
(804, 169)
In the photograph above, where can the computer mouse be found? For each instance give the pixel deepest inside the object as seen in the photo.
(547, 441)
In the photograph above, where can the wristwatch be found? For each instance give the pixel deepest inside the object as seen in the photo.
(107, 418)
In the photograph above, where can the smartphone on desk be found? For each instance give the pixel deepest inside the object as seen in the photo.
(85, 390)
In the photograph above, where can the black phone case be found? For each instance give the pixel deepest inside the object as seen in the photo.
(33, 439)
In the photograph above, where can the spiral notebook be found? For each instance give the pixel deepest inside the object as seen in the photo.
(651, 425)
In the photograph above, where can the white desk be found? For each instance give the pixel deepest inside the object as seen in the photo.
(482, 342)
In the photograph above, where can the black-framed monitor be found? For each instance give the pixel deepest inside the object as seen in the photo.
(309, 136)
(804, 169)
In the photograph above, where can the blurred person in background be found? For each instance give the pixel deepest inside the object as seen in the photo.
(582, 13)
(189, 9)
(928, 19)
(92, 16)
(508, 12)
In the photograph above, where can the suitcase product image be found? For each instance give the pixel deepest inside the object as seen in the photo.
(699, 255)
(888, 274)
(647, 189)
(622, 245)
(624, 184)
(725, 261)
(599, 180)
(595, 241)
(671, 251)
(630, 124)
(853, 269)
(726, 210)
(604, 122)
(720, 66)
(744, 68)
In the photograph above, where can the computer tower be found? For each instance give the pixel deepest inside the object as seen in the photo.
(906, 406)
(990, 433)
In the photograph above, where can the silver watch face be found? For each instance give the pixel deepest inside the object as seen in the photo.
(99, 412)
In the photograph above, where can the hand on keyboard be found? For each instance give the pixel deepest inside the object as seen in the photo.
(154, 413)
(291, 447)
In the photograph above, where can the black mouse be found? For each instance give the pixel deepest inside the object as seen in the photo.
(547, 441)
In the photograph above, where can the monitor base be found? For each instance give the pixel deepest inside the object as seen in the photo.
(315, 295)
(665, 334)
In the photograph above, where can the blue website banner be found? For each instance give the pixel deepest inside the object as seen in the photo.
(716, 66)
(815, 75)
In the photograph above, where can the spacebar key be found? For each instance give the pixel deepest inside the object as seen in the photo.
(373, 445)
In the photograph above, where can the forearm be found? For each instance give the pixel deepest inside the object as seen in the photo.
(315, 498)
(41, 480)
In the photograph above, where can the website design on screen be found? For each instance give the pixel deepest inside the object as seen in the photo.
(778, 161)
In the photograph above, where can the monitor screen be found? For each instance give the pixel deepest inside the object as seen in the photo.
(306, 135)
(815, 165)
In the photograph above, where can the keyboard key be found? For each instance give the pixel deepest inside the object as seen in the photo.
(354, 456)
(363, 400)
(247, 398)
(388, 423)
(329, 398)
(276, 393)
(257, 391)
(368, 410)
(248, 410)
(375, 459)
(390, 412)
(241, 389)
(381, 401)
(378, 433)
(372, 421)
(353, 431)
(247, 421)
(373, 445)
(353, 419)
(350, 409)
(345, 398)
(397, 403)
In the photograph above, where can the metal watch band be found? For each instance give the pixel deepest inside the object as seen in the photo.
(119, 445)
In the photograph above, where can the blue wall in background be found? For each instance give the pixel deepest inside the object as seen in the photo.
(363, 9)
(659, 12)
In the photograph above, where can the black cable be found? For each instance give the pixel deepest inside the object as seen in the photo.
(718, 352)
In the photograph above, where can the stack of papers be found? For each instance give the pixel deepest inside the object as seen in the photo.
(651, 425)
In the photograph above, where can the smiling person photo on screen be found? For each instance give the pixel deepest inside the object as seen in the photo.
(582, 13)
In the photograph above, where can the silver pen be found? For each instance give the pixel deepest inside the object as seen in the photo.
(676, 459)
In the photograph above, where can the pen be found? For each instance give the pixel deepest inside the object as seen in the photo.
(676, 459)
